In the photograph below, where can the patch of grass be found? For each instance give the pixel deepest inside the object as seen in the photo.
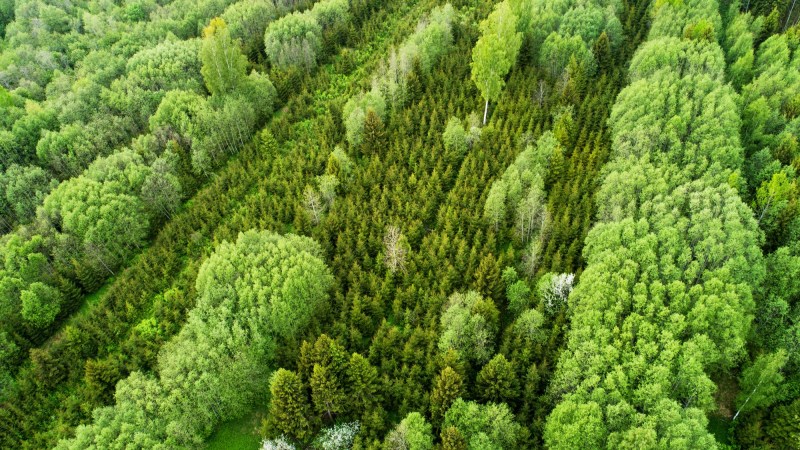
(719, 421)
(94, 297)
(239, 434)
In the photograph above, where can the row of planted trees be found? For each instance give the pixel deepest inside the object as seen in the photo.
(213, 369)
(454, 366)
(570, 43)
(395, 211)
(764, 66)
(77, 233)
(201, 103)
(90, 225)
(386, 265)
(666, 300)
(109, 326)
(113, 72)
(167, 424)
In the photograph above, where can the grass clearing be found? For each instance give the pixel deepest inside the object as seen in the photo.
(239, 434)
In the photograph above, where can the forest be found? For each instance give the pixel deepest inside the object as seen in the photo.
(399, 224)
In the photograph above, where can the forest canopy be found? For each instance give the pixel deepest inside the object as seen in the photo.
(362, 224)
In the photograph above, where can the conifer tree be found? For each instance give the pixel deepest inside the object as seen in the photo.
(363, 384)
(325, 352)
(452, 439)
(487, 278)
(329, 398)
(447, 387)
(288, 410)
(497, 381)
(602, 53)
(374, 134)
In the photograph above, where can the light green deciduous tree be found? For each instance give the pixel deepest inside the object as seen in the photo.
(495, 53)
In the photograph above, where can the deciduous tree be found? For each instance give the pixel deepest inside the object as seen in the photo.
(413, 433)
(495, 52)
(761, 382)
(40, 304)
(223, 62)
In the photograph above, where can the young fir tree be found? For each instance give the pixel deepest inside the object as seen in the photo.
(329, 397)
(288, 409)
(448, 386)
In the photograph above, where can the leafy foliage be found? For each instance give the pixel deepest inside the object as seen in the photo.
(666, 315)
(489, 426)
(251, 294)
(582, 267)
(495, 52)
(412, 433)
(294, 40)
(469, 325)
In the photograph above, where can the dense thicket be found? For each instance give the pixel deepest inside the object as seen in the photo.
(571, 43)
(296, 40)
(424, 200)
(99, 152)
(251, 295)
(764, 68)
(99, 328)
(666, 298)
(478, 264)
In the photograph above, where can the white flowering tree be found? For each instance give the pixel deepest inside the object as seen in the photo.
(554, 290)
(279, 443)
(338, 437)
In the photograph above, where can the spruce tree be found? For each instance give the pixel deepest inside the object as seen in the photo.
(487, 279)
(453, 440)
(602, 53)
(497, 381)
(374, 134)
(288, 409)
(329, 398)
(448, 386)
(363, 384)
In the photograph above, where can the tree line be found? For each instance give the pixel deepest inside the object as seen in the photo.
(666, 299)
(763, 66)
(139, 311)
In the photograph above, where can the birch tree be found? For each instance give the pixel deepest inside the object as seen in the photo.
(495, 53)
(760, 383)
(223, 62)
(395, 250)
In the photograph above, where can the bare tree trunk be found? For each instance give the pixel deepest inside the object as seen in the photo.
(540, 93)
(485, 111)
(747, 400)
(313, 205)
(764, 211)
(395, 252)
(95, 253)
(789, 16)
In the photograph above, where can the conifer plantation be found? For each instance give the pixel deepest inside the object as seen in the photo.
(399, 224)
